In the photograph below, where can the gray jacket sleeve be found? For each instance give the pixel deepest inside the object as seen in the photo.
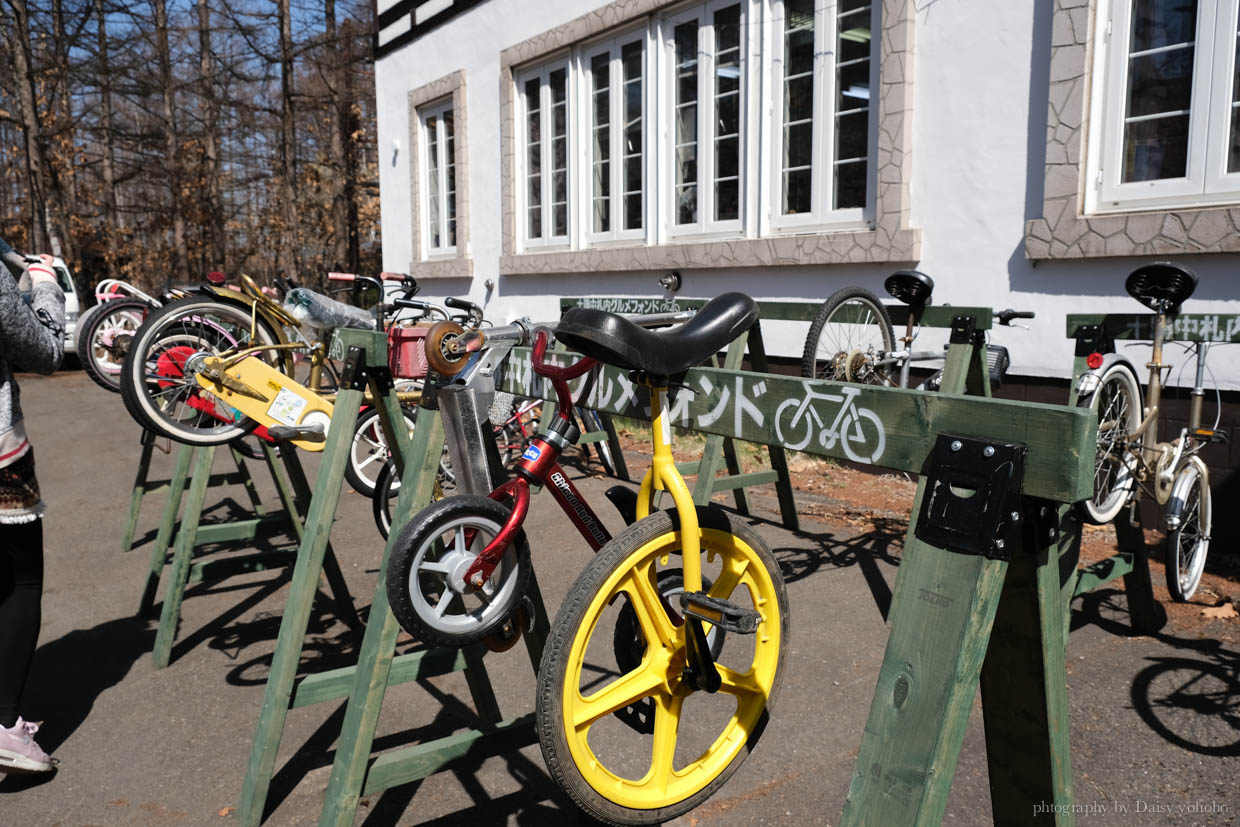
(32, 335)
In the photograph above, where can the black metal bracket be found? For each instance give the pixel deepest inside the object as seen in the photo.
(1093, 338)
(972, 498)
(964, 330)
(430, 390)
(382, 379)
(354, 376)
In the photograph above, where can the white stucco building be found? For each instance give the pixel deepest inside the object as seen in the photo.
(1024, 154)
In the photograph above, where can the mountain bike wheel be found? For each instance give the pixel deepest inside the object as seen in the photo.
(623, 775)
(1117, 403)
(846, 338)
(425, 575)
(104, 336)
(369, 451)
(155, 386)
(1188, 541)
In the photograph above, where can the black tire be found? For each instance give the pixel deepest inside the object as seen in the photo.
(422, 539)
(387, 492)
(369, 451)
(104, 335)
(851, 329)
(1189, 542)
(1117, 403)
(153, 385)
(629, 792)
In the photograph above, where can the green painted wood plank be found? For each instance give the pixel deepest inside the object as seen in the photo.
(795, 413)
(1144, 610)
(1101, 572)
(1186, 327)
(413, 763)
(941, 614)
(1024, 686)
(167, 523)
(289, 642)
(212, 570)
(170, 612)
(415, 666)
(373, 342)
(357, 732)
(141, 487)
(734, 481)
(247, 529)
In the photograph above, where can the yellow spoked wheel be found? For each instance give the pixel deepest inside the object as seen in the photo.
(621, 731)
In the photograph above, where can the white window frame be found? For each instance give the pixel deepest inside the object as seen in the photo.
(542, 72)
(425, 113)
(613, 46)
(703, 14)
(1206, 181)
(821, 215)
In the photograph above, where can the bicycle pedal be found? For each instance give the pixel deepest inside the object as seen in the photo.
(719, 613)
(1211, 434)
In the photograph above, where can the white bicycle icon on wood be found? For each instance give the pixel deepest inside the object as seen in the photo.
(858, 430)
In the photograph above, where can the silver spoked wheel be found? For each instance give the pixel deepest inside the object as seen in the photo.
(1117, 403)
(1188, 524)
(426, 575)
(848, 339)
(369, 451)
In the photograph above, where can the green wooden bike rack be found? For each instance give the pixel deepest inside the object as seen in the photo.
(364, 684)
(143, 486)
(191, 535)
(959, 619)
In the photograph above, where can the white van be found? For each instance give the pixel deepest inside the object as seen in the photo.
(72, 306)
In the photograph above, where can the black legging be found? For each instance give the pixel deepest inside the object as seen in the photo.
(21, 587)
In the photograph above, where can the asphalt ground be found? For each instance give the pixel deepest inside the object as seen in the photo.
(1155, 719)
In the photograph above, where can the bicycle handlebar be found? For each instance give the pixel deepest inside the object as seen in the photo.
(1005, 316)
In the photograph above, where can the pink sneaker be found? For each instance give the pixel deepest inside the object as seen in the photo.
(19, 752)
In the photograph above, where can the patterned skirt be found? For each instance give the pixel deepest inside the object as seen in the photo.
(19, 492)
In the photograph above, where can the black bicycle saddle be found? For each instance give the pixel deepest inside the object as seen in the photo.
(614, 340)
(912, 287)
(1161, 283)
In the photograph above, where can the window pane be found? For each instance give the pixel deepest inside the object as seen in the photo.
(1156, 148)
(797, 193)
(558, 83)
(631, 67)
(1233, 154)
(798, 37)
(432, 183)
(850, 185)
(852, 101)
(799, 98)
(798, 145)
(1159, 83)
(449, 176)
(727, 112)
(600, 86)
(533, 158)
(1158, 23)
(1159, 90)
(686, 52)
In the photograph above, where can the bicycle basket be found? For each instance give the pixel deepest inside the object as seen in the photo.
(998, 360)
(407, 352)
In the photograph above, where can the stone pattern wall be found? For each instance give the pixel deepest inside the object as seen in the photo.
(462, 265)
(891, 238)
(1063, 232)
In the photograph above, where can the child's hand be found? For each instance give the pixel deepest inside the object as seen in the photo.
(41, 271)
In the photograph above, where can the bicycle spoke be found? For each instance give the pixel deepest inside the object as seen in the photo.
(622, 692)
(667, 709)
(652, 617)
(739, 684)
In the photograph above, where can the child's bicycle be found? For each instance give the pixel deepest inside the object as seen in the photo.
(665, 657)
(1130, 458)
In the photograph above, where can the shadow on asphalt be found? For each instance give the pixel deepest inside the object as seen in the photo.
(69, 673)
(866, 551)
(1190, 698)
